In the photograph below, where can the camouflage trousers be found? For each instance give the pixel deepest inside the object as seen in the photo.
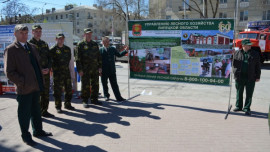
(62, 80)
(90, 79)
(44, 95)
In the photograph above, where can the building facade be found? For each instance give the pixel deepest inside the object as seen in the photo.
(94, 17)
(248, 10)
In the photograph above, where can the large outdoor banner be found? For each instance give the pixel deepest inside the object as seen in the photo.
(196, 51)
(49, 31)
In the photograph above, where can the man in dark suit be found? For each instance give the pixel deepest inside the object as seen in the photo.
(22, 66)
(108, 68)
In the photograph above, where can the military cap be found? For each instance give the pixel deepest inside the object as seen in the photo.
(36, 26)
(87, 30)
(60, 35)
(20, 27)
(246, 42)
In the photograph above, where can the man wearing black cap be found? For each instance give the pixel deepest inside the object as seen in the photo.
(61, 56)
(89, 66)
(247, 70)
(45, 62)
(22, 67)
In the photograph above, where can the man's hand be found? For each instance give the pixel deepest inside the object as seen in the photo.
(81, 73)
(45, 71)
(125, 47)
(257, 80)
(100, 71)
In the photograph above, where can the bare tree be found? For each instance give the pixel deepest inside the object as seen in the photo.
(17, 12)
(204, 13)
(125, 7)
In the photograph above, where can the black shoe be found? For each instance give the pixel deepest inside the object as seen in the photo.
(121, 100)
(237, 109)
(59, 110)
(42, 134)
(31, 142)
(96, 102)
(248, 113)
(85, 105)
(69, 107)
(107, 99)
(47, 114)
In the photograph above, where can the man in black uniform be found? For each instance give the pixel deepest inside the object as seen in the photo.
(45, 61)
(108, 67)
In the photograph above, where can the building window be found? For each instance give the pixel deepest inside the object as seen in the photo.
(78, 30)
(243, 15)
(169, 4)
(47, 18)
(244, 0)
(222, 1)
(95, 30)
(78, 15)
(95, 15)
(266, 15)
(56, 17)
(78, 23)
(51, 17)
(66, 15)
(222, 15)
(168, 17)
(61, 16)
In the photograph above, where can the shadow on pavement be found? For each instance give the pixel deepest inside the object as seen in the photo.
(12, 96)
(265, 66)
(66, 147)
(112, 107)
(78, 128)
(5, 149)
(253, 113)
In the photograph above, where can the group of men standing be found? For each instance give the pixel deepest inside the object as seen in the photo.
(28, 65)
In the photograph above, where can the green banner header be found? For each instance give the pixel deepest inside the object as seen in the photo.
(209, 24)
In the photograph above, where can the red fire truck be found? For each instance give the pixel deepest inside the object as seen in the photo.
(259, 34)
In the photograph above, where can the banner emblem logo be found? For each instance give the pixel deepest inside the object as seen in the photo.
(137, 30)
(224, 28)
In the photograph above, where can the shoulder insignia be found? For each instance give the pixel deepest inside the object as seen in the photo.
(85, 47)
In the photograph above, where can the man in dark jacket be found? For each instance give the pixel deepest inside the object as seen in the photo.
(108, 69)
(247, 70)
(22, 66)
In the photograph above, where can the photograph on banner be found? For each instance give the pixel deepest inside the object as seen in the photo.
(197, 51)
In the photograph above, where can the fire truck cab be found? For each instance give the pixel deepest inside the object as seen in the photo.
(259, 34)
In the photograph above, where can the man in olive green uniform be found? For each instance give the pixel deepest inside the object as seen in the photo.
(108, 68)
(45, 62)
(247, 70)
(61, 56)
(89, 66)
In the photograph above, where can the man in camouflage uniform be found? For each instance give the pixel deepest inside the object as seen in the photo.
(45, 61)
(61, 56)
(89, 66)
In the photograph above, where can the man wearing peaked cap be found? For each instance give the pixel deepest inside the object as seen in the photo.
(45, 60)
(22, 66)
(89, 66)
(61, 56)
(247, 70)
